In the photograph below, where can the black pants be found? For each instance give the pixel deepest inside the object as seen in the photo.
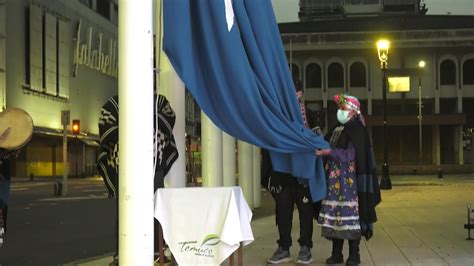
(4, 212)
(354, 254)
(285, 200)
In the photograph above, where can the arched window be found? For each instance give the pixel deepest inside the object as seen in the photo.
(447, 71)
(335, 75)
(313, 76)
(468, 72)
(295, 71)
(358, 75)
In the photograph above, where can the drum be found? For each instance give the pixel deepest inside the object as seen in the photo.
(16, 128)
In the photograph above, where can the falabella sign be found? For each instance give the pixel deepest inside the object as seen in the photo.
(94, 57)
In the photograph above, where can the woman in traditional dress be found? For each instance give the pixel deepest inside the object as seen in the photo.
(348, 210)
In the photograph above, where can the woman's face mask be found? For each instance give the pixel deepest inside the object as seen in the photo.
(343, 116)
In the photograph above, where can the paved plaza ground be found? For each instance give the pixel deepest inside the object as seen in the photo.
(420, 223)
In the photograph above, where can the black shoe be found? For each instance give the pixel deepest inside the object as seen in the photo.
(281, 255)
(335, 260)
(336, 253)
(353, 261)
(354, 255)
(305, 256)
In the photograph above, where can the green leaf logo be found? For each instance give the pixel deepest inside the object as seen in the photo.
(211, 240)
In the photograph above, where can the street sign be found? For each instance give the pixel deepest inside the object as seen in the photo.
(65, 117)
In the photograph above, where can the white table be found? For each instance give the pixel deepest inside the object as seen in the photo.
(203, 226)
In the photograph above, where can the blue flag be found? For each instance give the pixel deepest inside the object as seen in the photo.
(230, 55)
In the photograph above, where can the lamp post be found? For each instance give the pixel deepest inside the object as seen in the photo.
(382, 49)
(421, 66)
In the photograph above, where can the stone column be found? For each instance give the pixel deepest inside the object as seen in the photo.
(257, 196)
(436, 146)
(211, 153)
(228, 157)
(246, 170)
(458, 147)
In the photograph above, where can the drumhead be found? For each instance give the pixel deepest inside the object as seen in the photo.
(16, 128)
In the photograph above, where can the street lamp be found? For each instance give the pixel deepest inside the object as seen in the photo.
(421, 66)
(382, 49)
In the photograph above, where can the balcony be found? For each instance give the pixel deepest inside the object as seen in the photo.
(400, 2)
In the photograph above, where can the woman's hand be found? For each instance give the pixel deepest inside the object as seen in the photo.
(324, 152)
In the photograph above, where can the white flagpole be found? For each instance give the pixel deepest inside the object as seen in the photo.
(136, 132)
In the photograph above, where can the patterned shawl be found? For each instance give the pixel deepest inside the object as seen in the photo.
(164, 145)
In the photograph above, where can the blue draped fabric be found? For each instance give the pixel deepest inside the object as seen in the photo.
(240, 79)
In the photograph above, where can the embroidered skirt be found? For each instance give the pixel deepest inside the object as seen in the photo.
(339, 215)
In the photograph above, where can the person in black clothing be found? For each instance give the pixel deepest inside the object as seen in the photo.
(4, 193)
(5, 180)
(165, 152)
(287, 191)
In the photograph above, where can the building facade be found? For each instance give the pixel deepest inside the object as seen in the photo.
(311, 10)
(338, 54)
(54, 56)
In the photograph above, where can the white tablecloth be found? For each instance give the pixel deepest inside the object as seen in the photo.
(203, 226)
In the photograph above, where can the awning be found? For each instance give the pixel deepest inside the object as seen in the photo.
(87, 138)
(90, 142)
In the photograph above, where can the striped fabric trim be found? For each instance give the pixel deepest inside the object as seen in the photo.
(106, 177)
(339, 217)
(353, 106)
(165, 121)
(115, 103)
(108, 132)
(172, 155)
(340, 203)
(342, 228)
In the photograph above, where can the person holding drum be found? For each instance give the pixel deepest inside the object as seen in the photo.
(16, 129)
(5, 180)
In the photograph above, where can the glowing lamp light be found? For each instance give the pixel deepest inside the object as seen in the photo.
(382, 49)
